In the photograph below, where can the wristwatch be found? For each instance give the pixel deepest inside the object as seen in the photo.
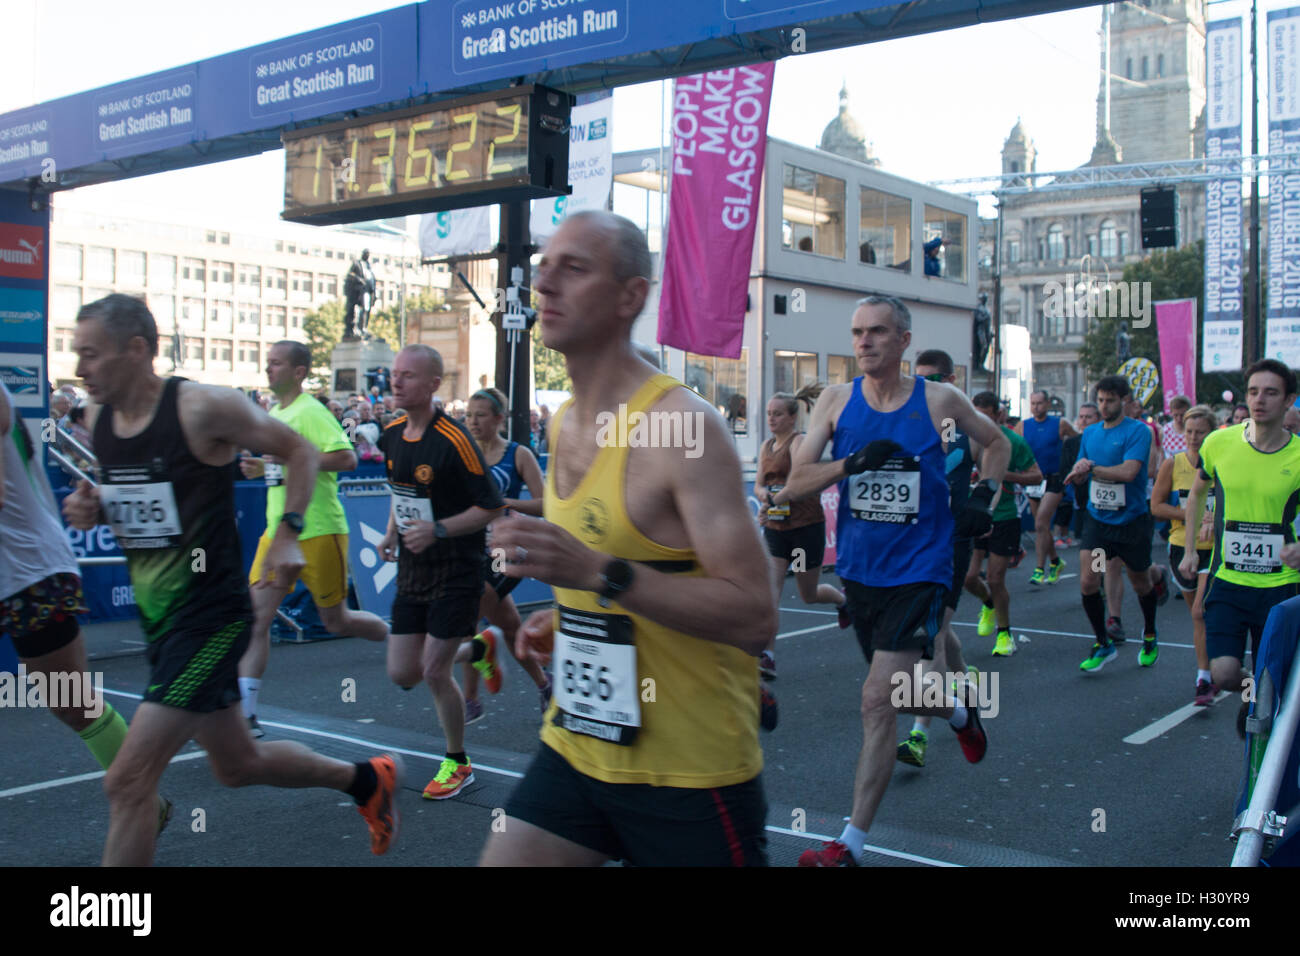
(617, 577)
(293, 520)
(439, 530)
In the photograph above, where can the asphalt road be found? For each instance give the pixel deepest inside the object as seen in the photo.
(1070, 777)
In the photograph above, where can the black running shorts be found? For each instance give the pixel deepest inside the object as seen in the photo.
(961, 552)
(1003, 540)
(641, 824)
(899, 618)
(810, 539)
(198, 669)
(1130, 542)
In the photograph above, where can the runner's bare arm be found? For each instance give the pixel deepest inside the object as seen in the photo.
(1067, 430)
(1124, 472)
(783, 496)
(1195, 507)
(1160, 506)
(345, 459)
(808, 474)
(526, 465)
(996, 453)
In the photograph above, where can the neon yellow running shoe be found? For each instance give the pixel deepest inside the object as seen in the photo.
(1054, 571)
(988, 621)
(1005, 646)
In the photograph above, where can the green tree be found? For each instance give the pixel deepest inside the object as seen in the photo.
(386, 324)
(323, 329)
(548, 365)
(1175, 274)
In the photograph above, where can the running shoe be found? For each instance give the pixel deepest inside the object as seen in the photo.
(1162, 589)
(1114, 631)
(912, 750)
(1054, 572)
(974, 741)
(843, 616)
(1015, 562)
(255, 729)
(473, 711)
(1005, 646)
(1099, 658)
(1036, 577)
(545, 693)
(767, 712)
(767, 665)
(1063, 544)
(381, 811)
(832, 853)
(164, 814)
(1205, 693)
(451, 779)
(988, 622)
(1150, 651)
(487, 667)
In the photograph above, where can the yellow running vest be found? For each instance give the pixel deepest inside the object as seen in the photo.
(1181, 483)
(698, 699)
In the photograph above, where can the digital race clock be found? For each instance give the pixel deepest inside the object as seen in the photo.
(491, 147)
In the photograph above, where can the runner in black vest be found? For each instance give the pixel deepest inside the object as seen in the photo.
(166, 450)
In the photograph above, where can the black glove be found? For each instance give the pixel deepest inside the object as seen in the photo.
(871, 457)
(977, 520)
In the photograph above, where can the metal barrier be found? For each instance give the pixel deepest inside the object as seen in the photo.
(1259, 825)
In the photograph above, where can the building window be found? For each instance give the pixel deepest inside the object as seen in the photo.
(192, 312)
(276, 280)
(791, 371)
(1144, 67)
(275, 316)
(949, 260)
(250, 277)
(1128, 68)
(249, 315)
(248, 353)
(1056, 242)
(194, 270)
(840, 369)
(1013, 251)
(219, 351)
(162, 272)
(1123, 244)
(1109, 239)
(67, 261)
(884, 229)
(327, 285)
(296, 317)
(302, 282)
(221, 272)
(724, 383)
(194, 351)
(222, 314)
(65, 303)
(1160, 64)
(130, 269)
(100, 264)
(1014, 167)
(813, 212)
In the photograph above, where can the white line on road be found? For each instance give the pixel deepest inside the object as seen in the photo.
(1091, 637)
(81, 777)
(383, 748)
(1169, 722)
(897, 854)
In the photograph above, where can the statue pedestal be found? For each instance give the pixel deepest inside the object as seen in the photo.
(349, 362)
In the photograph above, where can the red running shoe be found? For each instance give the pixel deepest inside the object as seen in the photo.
(832, 853)
(974, 742)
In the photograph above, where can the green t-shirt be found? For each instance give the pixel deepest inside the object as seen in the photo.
(1254, 508)
(314, 422)
(1022, 459)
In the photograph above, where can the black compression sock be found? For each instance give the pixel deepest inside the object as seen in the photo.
(988, 603)
(1094, 605)
(478, 650)
(459, 757)
(364, 783)
(1148, 604)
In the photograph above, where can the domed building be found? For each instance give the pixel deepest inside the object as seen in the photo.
(843, 135)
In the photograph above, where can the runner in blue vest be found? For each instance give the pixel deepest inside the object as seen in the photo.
(1045, 433)
(894, 537)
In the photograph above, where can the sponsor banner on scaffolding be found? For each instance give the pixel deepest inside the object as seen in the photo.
(591, 167)
(719, 143)
(1223, 236)
(1283, 317)
(455, 232)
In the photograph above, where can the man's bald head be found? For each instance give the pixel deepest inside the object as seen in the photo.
(626, 242)
(430, 356)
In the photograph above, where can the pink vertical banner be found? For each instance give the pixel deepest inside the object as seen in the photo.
(719, 141)
(1176, 330)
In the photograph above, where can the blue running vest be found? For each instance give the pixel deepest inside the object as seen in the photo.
(1045, 440)
(893, 525)
(509, 482)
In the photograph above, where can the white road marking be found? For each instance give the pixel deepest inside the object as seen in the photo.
(897, 854)
(1151, 731)
(1091, 637)
(806, 630)
(81, 778)
(382, 748)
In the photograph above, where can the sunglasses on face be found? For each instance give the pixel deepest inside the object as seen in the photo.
(935, 377)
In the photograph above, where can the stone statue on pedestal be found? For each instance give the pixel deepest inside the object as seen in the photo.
(1123, 344)
(359, 292)
(981, 333)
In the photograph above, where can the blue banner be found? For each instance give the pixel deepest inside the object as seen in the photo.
(366, 505)
(1223, 237)
(386, 58)
(1283, 326)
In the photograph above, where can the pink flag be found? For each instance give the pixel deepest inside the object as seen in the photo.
(719, 141)
(1176, 330)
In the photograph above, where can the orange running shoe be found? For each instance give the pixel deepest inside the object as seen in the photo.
(381, 811)
(451, 779)
(490, 637)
